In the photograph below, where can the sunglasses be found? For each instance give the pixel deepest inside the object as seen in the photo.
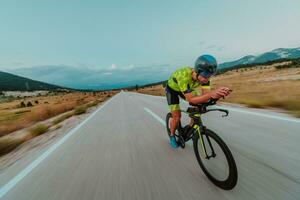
(206, 74)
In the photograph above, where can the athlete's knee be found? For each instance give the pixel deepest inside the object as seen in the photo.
(176, 115)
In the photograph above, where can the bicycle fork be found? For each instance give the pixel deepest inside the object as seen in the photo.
(202, 130)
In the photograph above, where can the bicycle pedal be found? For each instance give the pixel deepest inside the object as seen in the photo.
(181, 142)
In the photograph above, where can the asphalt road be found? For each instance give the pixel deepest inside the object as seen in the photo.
(122, 152)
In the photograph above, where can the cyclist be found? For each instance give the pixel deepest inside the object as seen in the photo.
(185, 82)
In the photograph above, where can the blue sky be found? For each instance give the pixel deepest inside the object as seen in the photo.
(129, 34)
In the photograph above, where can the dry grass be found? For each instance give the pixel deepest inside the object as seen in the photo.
(10, 142)
(13, 117)
(77, 111)
(269, 87)
(57, 127)
(80, 110)
(62, 118)
(38, 129)
(261, 87)
(156, 90)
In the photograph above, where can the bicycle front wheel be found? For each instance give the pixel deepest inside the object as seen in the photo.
(220, 166)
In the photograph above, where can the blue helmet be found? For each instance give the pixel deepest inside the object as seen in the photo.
(206, 65)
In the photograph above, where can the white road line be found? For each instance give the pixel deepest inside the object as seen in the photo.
(155, 116)
(249, 111)
(8, 186)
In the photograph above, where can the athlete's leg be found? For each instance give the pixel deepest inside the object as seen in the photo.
(173, 102)
(176, 115)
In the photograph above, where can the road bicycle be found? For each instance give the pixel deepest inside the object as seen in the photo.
(213, 155)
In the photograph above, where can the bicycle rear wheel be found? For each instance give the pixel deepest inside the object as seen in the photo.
(179, 137)
(168, 125)
(221, 168)
(168, 119)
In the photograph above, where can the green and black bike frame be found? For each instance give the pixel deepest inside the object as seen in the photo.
(199, 130)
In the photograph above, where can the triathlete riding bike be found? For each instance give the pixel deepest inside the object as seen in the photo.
(185, 82)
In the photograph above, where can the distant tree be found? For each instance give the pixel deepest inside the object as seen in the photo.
(136, 87)
(1, 93)
(22, 104)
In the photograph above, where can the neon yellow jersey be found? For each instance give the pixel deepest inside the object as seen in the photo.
(181, 81)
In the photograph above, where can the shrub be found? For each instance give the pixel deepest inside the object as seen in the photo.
(38, 130)
(29, 104)
(22, 104)
(8, 144)
(22, 111)
(36, 102)
(293, 65)
(252, 103)
(57, 127)
(62, 118)
(80, 110)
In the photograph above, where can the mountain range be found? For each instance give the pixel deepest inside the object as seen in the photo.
(116, 77)
(96, 79)
(276, 54)
(11, 82)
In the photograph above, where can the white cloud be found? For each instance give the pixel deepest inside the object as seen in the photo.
(106, 73)
(113, 67)
(129, 67)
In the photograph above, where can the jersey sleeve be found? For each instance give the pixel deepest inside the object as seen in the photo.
(206, 85)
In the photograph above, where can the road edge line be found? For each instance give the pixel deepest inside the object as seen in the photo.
(246, 111)
(155, 116)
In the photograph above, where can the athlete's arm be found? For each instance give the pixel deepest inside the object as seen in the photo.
(195, 99)
(205, 90)
(215, 94)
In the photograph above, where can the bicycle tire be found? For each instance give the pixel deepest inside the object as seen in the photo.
(231, 181)
(180, 139)
(169, 115)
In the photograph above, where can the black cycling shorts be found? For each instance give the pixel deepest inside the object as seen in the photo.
(173, 98)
